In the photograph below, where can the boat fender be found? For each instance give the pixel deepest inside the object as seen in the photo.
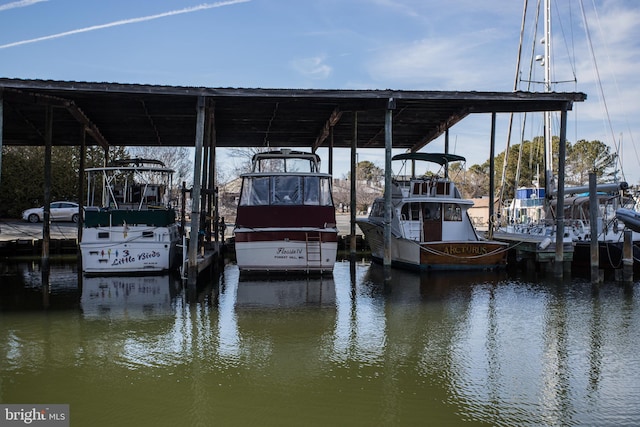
(578, 228)
(545, 243)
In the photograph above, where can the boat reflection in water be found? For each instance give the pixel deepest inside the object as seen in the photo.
(286, 292)
(435, 285)
(260, 319)
(460, 349)
(128, 297)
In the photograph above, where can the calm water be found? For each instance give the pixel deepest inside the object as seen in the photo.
(446, 349)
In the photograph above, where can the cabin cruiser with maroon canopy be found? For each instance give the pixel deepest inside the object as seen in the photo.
(286, 220)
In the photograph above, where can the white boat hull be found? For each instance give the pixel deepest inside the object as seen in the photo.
(436, 255)
(285, 256)
(129, 252)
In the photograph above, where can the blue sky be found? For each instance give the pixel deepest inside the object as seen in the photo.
(347, 44)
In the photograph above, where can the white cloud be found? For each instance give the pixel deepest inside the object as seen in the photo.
(441, 63)
(313, 67)
(21, 3)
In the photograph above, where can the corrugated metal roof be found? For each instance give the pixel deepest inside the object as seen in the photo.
(150, 115)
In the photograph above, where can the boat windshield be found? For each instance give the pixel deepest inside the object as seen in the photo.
(280, 164)
(286, 190)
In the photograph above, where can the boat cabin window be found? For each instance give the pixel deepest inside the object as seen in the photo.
(411, 212)
(431, 212)
(255, 191)
(452, 212)
(286, 190)
(377, 210)
(317, 191)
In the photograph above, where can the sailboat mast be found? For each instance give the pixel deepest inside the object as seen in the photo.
(549, 178)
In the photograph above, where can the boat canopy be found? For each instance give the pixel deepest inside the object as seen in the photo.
(285, 189)
(439, 158)
(133, 184)
(136, 165)
(286, 160)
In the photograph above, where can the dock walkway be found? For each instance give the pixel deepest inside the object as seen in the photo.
(24, 238)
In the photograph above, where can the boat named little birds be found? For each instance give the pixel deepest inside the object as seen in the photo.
(129, 225)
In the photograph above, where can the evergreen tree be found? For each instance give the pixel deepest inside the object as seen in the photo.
(22, 181)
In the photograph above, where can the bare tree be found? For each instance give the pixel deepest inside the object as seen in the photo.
(180, 159)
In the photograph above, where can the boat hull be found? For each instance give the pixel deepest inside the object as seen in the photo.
(610, 256)
(285, 251)
(125, 251)
(437, 255)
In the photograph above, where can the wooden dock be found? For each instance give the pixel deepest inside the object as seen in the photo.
(531, 250)
(19, 238)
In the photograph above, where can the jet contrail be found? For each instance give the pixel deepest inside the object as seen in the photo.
(20, 3)
(124, 21)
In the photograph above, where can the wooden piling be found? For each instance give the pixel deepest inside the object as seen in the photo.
(627, 257)
(593, 223)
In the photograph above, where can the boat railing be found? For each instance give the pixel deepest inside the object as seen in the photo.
(577, 229)
(427, 187)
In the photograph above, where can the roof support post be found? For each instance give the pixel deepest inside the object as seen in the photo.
(388, 144)
(212, 208)
(46, 217)
(1, 130)
(354, 177)
(492, 175)
(105, 162)
(82, 157)
(562, 152)
(331, 151)
(195, 195)
(205, 195)
(446, 151)
(593, 225)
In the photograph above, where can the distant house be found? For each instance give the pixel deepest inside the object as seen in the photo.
(228, 197)
(479, 213)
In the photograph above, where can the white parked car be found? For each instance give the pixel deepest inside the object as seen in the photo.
(60, 211)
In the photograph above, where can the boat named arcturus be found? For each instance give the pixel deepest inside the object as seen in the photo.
(430, 226)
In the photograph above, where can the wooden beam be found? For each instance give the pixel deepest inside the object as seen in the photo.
(562, 152)
(353, 178)
(333, 119)
(91, 128)
(195, 194)
(388, 207)
(441, 128)
(46, 215)
(19, 96)
(1, 129)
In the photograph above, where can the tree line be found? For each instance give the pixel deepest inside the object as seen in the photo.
(527, 161)
(22, 179)
(22, 176)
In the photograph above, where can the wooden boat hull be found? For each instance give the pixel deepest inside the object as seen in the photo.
(440, 255)
(463, 255)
